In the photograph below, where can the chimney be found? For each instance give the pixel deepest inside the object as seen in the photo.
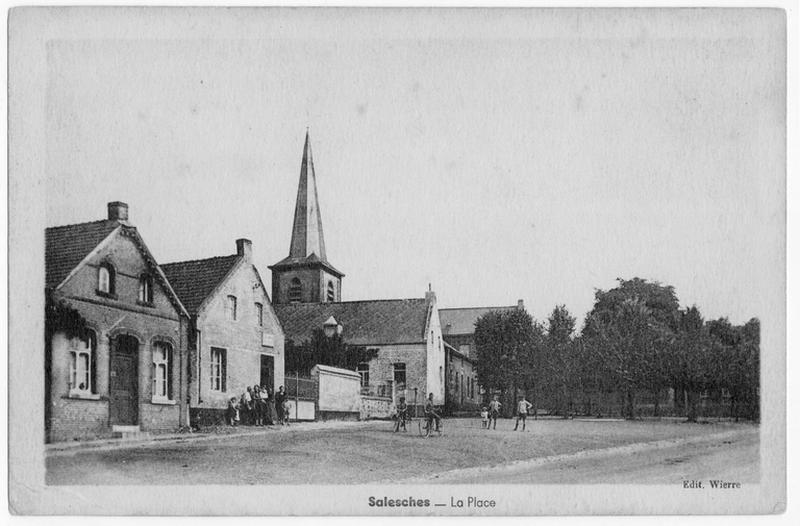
(117, 211)
(244, 248)
(520, 305)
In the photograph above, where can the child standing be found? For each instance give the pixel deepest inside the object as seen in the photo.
(484, 417)
(285, 407)
(233, 411)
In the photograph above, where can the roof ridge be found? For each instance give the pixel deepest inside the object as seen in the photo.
(82, 224)
(350, 301)
(472, 308)
(197, 260)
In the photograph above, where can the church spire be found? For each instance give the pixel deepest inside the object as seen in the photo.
(307, 237)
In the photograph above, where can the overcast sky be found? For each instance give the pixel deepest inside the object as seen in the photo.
(500, 156)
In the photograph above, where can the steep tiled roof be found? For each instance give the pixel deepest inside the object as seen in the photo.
(310, 261)
(462, 321)
(66, 246)
(373, 322)
(193, 281)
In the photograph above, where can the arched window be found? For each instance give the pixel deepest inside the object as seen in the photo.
(331, 292)
(162, 371)
(146, 288)
(82, 364)
(232, 308)
(295, 291)
(105, 279)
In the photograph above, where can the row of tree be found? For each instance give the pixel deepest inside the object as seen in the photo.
(636, 342)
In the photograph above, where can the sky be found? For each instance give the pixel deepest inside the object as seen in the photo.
(498, 156)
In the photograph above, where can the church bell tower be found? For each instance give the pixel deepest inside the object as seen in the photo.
(305, 276)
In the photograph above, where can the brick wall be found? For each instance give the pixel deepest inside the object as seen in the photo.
(109, 317)
(381, 368)
(314, 284)
(376, 407)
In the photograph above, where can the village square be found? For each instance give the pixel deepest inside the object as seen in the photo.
(191, 371)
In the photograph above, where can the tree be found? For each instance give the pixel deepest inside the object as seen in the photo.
(320, 349)
(693, 360)
(560, 364)
(738, 363)
(506, 343)
(629, 331)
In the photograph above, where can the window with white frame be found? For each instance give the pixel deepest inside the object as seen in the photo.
(162, 360)
(81, 369)
(231, 304)
(363, 371)
(218, 369)
(146, 288)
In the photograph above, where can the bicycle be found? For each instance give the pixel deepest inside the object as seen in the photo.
(401, 421)
(427, 427)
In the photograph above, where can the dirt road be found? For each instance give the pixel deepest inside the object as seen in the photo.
(550, 451)
(730, 456)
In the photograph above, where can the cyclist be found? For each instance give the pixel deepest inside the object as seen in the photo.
(402, 414)
(431, 415)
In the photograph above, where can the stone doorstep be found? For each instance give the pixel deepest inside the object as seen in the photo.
(129, 433)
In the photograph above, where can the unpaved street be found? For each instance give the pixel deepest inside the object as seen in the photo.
(551, 451)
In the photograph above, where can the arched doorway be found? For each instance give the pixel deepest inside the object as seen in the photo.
(124, 381)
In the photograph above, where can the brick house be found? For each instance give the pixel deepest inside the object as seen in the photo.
(306, 290)
(458, 330)
(236, 339)
(124, 370)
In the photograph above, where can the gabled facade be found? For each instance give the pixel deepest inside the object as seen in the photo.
(236, 339)
(124, 369)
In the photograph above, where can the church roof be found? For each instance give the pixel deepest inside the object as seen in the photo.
(307, 236)
(66, 246)
(372, 322)
(307, 248)
(462, 321)
(195, 280)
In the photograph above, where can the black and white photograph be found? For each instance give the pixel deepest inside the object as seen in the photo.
(408, 261)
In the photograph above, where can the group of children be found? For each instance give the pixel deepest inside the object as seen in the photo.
(256, 407)
(490, 414)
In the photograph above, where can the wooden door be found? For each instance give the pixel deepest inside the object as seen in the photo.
(124, 381)
(267, 371)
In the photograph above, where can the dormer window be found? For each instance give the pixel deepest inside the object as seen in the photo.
(295, 291)
(331, 292)
(232, 308)
(105, 279)
(146, 289)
